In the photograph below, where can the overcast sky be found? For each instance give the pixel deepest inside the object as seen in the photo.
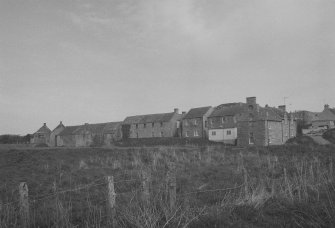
(99, 61)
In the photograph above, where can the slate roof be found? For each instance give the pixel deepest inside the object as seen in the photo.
(233, 109)
(93, 128)
(111, 127)
(230, 109)
(43, 129)
(324, 116)
(69, 130)
(197, 112)
(151, 118)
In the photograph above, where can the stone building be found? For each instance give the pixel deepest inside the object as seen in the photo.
(54, 133)
(67, 137)
(194, 123)
(324, 119)
(249, 124)
(222, 122)
(41, 136)
(152, 125)
(90, 135)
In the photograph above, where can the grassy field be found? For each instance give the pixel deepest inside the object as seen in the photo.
(284, 186)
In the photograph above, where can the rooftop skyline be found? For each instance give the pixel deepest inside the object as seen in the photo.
(99, 61)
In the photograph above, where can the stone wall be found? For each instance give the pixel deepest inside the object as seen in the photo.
(193, 128)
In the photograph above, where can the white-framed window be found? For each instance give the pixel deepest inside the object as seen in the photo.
(213, 132)
(186, 134)
(196, 133)
(228, 132)
(195, 122)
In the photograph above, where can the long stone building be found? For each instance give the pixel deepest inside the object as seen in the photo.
(152, 125)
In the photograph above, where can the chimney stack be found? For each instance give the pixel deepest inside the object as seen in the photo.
(176, 110)
(282, 107)
(251, 100)
(326, 106)
(61, 122)
(183, 113)
(45, 124)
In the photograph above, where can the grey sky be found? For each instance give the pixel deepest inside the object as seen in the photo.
(96, 61)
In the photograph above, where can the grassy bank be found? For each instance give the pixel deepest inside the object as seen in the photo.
(215, 186)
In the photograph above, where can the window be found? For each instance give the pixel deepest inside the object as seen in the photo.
(222, 119)
(136, 135)
(161, 124)
(228, 132)
(153, 124)
(153, 134)
(196, 133)
(144, 125)
(213, 132)
(162, 134)
(195, 122)
(250, 107)
(136, 126)
(251, 138)
(186, 134)
(234, 119)
(206, 123)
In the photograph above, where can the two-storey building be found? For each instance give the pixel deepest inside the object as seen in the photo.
(195, 124)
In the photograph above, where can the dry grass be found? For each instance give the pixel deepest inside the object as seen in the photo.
(216, 186)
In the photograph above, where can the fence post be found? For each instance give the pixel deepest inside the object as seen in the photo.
(172, 184)
(245, 176)
(24, 204)
(111, 200)
(146, 179)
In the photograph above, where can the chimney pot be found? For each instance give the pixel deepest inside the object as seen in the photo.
(326, 106)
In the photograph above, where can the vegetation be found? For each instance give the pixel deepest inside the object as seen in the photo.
(15, 139)
(279, 186)
(329, 135)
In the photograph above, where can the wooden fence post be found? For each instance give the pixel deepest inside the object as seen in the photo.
(111, 200)
(146, 179)
(172, 184)
(246, 186)
(24, 204)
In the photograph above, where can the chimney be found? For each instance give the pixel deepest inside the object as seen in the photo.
(282, 107)
(176, 110)
(61, 123)
(266, 106)
(251, 100)
(86, 124)
(183, 113)
(45, 124)
(326, 106)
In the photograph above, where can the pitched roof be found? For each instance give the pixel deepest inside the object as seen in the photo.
(69, 130)
(197, 112)
(325, 115)
(43, 129)
(112, 127)
(151, 118)
(233, 109)
(93, 128)
(230, 109)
